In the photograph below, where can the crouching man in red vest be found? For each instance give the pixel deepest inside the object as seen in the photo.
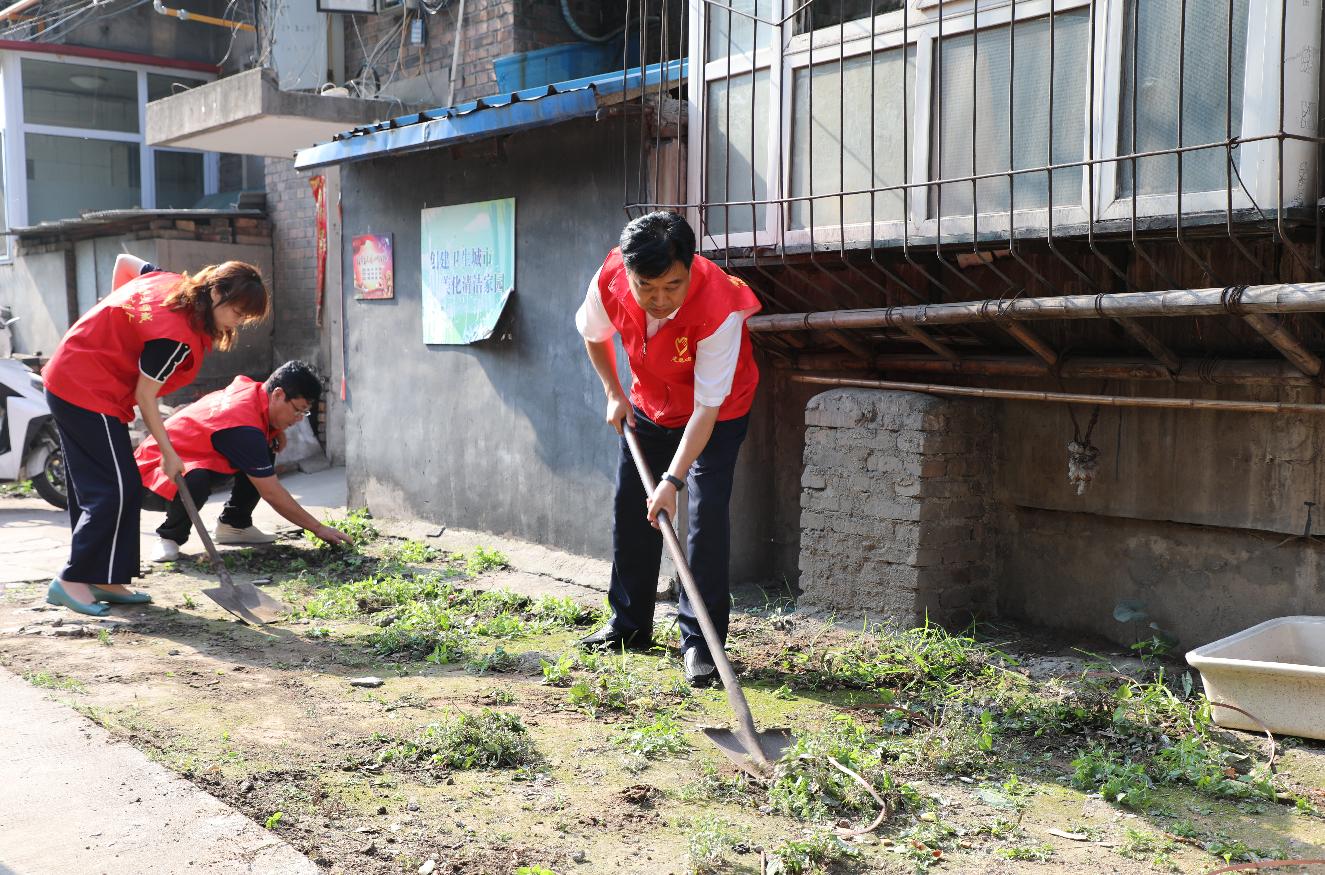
(682, 324)
(235, 431)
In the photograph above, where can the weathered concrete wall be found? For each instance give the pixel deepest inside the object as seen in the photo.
(1197, 583)
(506, 435)
(1188, 514)
(36, 289)
(894, 506)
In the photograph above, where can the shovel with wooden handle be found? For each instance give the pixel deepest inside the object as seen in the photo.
(751, 750)
(244, 600)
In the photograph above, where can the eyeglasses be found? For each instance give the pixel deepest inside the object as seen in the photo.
(305, 413)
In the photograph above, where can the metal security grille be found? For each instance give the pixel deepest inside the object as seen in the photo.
(880, 153)
(1031, 120)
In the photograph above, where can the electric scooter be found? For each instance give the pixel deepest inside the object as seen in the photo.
(29, 444)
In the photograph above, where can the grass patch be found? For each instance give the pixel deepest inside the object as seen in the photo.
(52, 681)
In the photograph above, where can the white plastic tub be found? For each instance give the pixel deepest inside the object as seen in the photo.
(1275, 670)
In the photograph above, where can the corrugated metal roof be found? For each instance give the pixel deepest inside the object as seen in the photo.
(109, 220)
(486, 117)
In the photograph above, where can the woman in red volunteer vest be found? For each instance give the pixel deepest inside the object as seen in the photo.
(146, 339)
(681, 320)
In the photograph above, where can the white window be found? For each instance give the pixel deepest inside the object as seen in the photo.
(980, 128)
(1211, 110)
(77, 140)
(957, 113)
(735, 177)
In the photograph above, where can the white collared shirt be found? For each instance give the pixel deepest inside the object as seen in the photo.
(715, 356)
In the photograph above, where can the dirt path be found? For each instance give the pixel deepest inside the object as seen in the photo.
(266, 720)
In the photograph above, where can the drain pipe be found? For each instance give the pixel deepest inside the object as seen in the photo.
(455, 51)
(186, 15)
(24, 5)
(1065, 397)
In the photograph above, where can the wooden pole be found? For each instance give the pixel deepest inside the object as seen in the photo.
(1065, 397)
(1285, 298)
(1232, 372)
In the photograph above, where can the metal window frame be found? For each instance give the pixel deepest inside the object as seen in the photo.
(12, 115)
(1267, 131)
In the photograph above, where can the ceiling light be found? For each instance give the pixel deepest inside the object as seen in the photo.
(88, 82)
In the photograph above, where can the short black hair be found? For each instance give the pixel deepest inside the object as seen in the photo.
(652, 242)
(297, 379)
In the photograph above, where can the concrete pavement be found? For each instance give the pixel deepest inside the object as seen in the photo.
(34, 537)
(74, 800)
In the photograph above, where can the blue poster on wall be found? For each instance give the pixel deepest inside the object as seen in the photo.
(468, 270)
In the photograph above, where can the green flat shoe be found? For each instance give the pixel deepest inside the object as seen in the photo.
(119, 598)
(55, 595)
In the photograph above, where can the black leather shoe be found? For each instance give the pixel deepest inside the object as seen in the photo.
(699, 668)
(609, 639)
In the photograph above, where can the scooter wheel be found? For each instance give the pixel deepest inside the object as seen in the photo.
(50, 482)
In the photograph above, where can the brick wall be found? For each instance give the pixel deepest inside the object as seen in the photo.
(294, 248)
(894, 506)
(492, 28)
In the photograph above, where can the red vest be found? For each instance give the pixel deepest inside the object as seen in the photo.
(243, 402)
(96, 365)
(662, 367)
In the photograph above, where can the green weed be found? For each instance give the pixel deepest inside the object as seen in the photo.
(481, 560)
(561, 672)
(274, 820)
(357, 524)
(808, 786)
(1122, 783)
(614, 684)
(1193, 760)
(487, 740)
(51, 681)
(1029, 853)
(654, 739)
(809, 854)
(709, 842)
(103, 638)
(414, 552)
(499, 661)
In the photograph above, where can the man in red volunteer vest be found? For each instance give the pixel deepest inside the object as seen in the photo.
(681, 320)
(235, 431)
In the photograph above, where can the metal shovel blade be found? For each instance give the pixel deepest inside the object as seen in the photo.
(752, 751)
(772, 743)
(229, 600)
(244, 600)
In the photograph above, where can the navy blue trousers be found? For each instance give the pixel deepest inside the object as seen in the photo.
(637, 546)
(238, 511)
(104, 494)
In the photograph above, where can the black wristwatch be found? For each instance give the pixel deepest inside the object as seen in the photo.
(675, 481)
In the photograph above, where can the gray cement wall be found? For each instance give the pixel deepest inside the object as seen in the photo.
(506, 435)
(1189, 514)
(36, 289)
